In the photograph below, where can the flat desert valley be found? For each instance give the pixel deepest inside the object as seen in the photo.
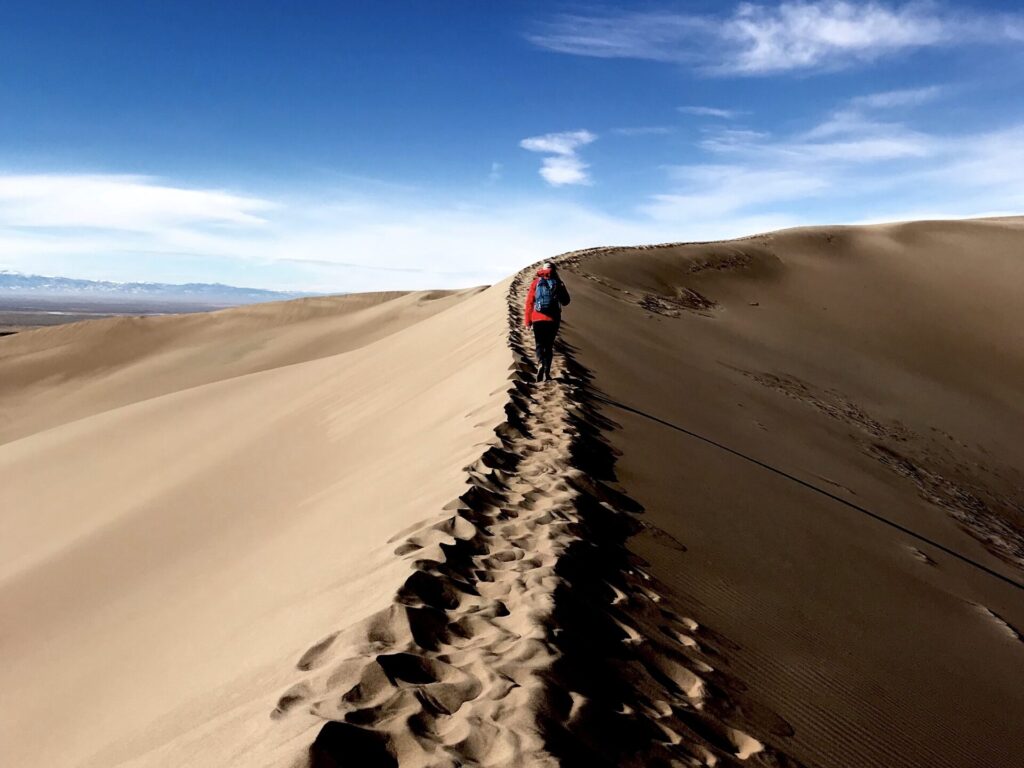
(770, 512)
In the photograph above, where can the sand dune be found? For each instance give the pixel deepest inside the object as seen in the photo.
(352, 531)
(166, 562)
(56, 375)
(884, 365)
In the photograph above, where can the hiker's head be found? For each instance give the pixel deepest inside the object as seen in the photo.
(546, 269)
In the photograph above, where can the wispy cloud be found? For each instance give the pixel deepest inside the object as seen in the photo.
(909, 97)
(718, 191)
(852, 166)
(563, 166)
(844, 135)
(564, 143)
(332, 240)
(660, 36)
(130, 203)
(867, 116)
(725, 114)
(761, 39)
(644, 130)
(729, 139)
(855, 163)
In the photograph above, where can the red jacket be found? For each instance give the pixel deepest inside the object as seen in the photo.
(531, 316)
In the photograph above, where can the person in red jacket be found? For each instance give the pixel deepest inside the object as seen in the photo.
(543, 312)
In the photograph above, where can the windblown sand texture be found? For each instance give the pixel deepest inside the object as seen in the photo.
(353, 532)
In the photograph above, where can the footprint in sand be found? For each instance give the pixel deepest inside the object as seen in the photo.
(312, 656)
(1005, 627)
(292, 698)
(920, 556)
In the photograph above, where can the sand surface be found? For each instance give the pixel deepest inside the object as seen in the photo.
(353, 531)
(188, 504)
(884, 365)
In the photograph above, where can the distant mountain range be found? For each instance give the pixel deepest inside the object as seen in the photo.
(14, 285)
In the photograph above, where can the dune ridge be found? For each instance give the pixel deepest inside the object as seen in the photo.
(201, 564)
(620, 671)
(527, 634)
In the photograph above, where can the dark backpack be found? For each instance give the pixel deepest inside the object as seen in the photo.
(545, 296)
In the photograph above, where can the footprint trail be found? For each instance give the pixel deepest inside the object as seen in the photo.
(526, 634)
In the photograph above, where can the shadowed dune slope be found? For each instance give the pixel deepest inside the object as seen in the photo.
(884, 365)
(187, 501)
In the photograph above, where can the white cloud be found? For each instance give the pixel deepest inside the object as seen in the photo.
(804, 35)
(134, 203)
(850, 167)
(867, 149)
(759, 39)
(992, 160)
(846, 122)
(564, 169)
(717, 191)
(558, 143)
(856, 132)
(393, 237)
(844, 135)
(726, 114)
(564, 166)
(910, 97)
(644, 130)
(729, 139)
(332, 241)
(655, 36)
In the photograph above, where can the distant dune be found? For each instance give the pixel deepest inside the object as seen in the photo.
(35, 301)
(770, 513)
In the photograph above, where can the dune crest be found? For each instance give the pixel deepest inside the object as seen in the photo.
(527, 634)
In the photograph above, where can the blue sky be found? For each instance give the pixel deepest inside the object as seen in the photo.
(358, 146)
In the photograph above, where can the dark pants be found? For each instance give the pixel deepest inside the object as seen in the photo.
(544, 333)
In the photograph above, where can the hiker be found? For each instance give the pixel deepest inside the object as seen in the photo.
(543, 312)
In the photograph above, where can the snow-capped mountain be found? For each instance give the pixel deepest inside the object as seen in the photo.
(17, 285)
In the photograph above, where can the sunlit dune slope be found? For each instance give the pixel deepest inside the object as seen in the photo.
(200, 496)
(884, 365)
(55, 375)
